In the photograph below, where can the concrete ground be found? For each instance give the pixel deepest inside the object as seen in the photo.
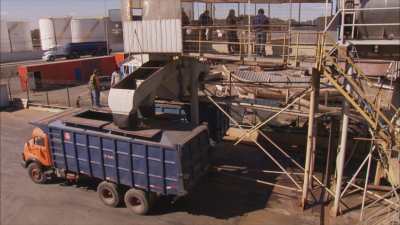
(218, 199)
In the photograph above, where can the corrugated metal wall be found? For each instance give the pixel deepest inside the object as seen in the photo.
(153, 36)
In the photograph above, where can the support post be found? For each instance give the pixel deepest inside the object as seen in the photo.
(249, 51)
(194, 99)
(342, 22)
(341, 156)
(311, 136)
(68, 98)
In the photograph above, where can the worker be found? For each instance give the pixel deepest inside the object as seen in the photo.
(232, 20)
(94, 87)
(260, 22)
(116, 76)
(185, 18)
(206, 20)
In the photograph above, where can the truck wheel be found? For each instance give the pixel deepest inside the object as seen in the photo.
(109, 194)
(52, 58)
(137, 201)
(75, 55)
(36, 173)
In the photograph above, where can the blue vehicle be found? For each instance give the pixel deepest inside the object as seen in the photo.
(167, 157)
(76, 50)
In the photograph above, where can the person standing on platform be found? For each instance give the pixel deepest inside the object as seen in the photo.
(206, 20)
(232, 20)
(260, 23)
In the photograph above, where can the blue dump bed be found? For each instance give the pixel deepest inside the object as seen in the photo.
(170, 162)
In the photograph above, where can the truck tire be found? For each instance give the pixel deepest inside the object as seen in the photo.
(52, 58)
(109, 194)
(137, 201)
(36, 173)
(75, 55)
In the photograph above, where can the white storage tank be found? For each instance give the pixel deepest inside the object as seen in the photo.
(5, 38)
(55, 32)
(20, 36)
(90, 29)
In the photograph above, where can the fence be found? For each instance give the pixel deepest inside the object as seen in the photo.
(72, 95)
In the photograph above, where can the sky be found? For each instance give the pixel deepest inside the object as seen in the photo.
(33, 10)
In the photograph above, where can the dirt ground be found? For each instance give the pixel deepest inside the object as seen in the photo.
(218, 199)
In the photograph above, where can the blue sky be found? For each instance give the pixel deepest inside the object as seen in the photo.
(32, 10)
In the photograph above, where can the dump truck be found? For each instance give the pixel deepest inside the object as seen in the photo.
(162, 157)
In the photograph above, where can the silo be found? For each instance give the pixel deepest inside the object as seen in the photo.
(55, 31)
(88, 29)
(381, 16)
(20, 36)
(5, 38)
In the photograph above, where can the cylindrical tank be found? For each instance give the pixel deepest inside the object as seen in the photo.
(88, 29)
(20, 36)
(379, 16)
(55, 32)
(5, 38)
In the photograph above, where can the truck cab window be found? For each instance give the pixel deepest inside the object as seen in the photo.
(38, 141)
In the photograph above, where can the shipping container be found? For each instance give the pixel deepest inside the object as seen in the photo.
(76, 71)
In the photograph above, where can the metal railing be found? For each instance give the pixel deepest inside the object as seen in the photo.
(281, 45)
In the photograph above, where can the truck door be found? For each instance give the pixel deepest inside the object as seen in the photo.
(40, 147)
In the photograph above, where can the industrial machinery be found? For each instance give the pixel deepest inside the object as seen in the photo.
(165, 78)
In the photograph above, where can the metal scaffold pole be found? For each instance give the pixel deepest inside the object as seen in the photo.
(311, 136)
(341, 156)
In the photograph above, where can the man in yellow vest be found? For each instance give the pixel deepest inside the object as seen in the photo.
(94, 87)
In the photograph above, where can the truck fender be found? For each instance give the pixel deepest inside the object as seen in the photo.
(29, 161)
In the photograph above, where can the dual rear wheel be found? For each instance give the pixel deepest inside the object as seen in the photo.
(137, 201)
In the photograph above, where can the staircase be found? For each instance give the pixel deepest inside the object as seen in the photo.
(347, 82)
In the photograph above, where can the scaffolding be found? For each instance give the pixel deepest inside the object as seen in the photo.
(333, 64)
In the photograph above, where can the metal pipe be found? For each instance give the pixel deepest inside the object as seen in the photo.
(68, 98)
(257, 143)
(249, 29)
(365, 187)
(310, 136)
(258, 126)
(342, 150)
(342, 22)
(194, 100)
(326, 13)
(341, 158)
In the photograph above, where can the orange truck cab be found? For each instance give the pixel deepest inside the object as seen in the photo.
(36, 156)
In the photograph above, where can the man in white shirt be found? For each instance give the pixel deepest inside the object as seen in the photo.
(115, 76)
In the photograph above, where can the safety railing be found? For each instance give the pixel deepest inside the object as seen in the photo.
(240, 42)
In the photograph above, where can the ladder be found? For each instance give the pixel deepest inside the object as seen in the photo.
(351, 89)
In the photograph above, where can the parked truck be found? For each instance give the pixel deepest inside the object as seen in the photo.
(76, 50)
(166, 157)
